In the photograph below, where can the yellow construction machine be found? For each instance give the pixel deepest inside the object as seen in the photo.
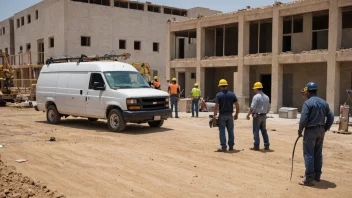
(144, 70)
(6, 81)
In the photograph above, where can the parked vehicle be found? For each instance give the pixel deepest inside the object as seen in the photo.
(100, 90)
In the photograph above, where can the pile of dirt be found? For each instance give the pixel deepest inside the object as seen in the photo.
(14, 185)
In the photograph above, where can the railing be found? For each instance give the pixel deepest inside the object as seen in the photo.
(28, 59)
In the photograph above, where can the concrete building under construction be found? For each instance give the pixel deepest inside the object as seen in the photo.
(282, 45)
(68, 28)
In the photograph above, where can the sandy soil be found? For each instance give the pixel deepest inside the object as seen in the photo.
(177, 160)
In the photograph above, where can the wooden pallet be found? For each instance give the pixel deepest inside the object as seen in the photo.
(343, 132)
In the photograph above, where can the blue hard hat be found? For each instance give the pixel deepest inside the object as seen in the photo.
(311, 86)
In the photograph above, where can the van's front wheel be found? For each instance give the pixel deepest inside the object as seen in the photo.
(156, 124)
(52, 115)
(116, 122)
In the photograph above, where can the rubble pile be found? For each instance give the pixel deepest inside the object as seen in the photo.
(218, 57)
(259, 55)
(13, 184)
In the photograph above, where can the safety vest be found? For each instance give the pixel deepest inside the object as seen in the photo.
(156, 84)
(195, 92)
(173, 88)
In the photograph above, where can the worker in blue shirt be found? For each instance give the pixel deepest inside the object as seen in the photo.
(224, 102)
(259, 108)
(313, 119)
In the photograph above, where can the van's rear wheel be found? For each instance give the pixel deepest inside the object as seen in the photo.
(116, 122)
(156, 124)
(93, 119)
(52, 115)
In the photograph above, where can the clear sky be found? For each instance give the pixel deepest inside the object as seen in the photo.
(9, 7)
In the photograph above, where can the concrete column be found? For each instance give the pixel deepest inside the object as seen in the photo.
(276, 68)
(241, 79)
(333, 70)
(170, 48)
(200, 54)
(145, 6)
(307, 30)
(112, 3)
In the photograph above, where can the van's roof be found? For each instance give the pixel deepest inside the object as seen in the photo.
(98, 66)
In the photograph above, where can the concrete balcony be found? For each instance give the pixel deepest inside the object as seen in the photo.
(184, 63)
(223, 61)
(258, 59)
(344, 55)
(314, 56)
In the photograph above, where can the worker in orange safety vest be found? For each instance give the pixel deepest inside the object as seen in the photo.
(174, 91)
(156, 83)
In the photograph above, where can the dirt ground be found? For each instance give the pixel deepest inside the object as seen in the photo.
(177, 160)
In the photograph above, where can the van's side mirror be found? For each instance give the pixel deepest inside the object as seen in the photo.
(96, 86)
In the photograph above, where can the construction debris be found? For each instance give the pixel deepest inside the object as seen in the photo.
(320, 51)
(218, 57)
(13, 184)
(21, 160)
(259, 55)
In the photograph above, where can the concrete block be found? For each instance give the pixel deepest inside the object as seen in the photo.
(288, 113)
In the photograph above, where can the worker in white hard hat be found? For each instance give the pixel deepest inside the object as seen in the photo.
(259, 109)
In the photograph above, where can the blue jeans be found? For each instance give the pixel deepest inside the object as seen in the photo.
(195, 106)
(313, 152)
(226, 121)
(174, 103)
(259, 123)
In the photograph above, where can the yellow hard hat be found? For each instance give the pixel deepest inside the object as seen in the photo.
(155, 78)
(196, 84)
(258, 85)
(174, 79)
(223, 82)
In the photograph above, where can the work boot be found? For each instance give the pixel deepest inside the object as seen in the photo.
(305, 183)
(231, 148)
(266, 148)
(177, 117)
(192, 116)
(222, 149)
(254, 148)
(317, 179)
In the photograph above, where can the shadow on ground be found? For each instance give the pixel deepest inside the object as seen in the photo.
(101, 126)
(323, 184)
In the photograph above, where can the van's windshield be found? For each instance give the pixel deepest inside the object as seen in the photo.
(125, 79)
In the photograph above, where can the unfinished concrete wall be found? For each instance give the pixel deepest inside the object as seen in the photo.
(209, 42)
(213, 75)
(304, 73)
(5, 37)
(345, 80)
(255, 73)
(107, 25)
(50, 23)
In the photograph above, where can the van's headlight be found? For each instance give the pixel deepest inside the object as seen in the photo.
(167, 99)
(131, 101)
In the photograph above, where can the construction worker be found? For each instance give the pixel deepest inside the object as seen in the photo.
(156, 83)
(224, 105)
(195, 99)
(174, 91)
(259, 109)
(314, 112)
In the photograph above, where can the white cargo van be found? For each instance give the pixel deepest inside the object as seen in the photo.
(100, 90)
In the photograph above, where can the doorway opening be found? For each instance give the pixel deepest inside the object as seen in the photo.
(182, 82)
(265, 79)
